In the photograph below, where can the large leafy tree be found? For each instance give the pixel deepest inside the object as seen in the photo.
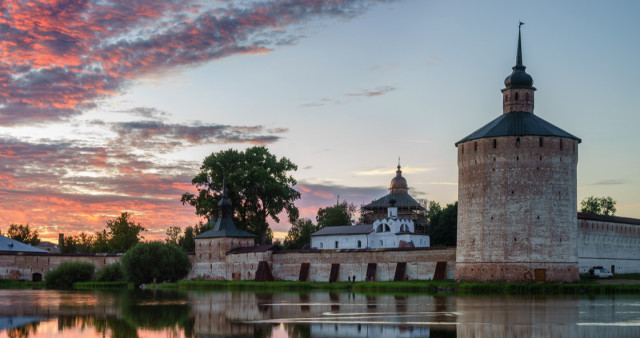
(598, 205)
(257, 184)
(24, 234)
(122, 233)
(146, 262)
(339, 214)
(299, 234)
(443, 224)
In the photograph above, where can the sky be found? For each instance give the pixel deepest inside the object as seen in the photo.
(109, 106)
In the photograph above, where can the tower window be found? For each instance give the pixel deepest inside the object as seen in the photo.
(560, 144)
(518, 143)
(516, 96)
(541, 142)
(475, 146)
(495, 143)
(527, 96)
(462, 148)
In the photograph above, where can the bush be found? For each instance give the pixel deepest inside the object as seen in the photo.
(110, 273)
(155, 260)
(68, 273)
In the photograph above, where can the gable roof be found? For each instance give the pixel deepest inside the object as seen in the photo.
(345, 230)
(517, 124)
(8, 244)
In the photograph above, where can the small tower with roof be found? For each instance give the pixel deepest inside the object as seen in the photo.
(517, 186)
(212, 246)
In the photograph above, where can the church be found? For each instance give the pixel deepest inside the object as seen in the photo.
(396, 228)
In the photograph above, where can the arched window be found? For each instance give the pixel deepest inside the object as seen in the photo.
(495, 143)
(321, 245)
(518, 142)
(541, 142)
(386, 228)
(379, 228)
(475, 146)
(516, 96)
(560, 144)
(359, 244)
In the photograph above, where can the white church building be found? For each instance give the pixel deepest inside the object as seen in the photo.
(389, 232)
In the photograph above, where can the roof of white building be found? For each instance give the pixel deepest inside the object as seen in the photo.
(345, 230)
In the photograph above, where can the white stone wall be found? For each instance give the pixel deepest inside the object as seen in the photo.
(608, 244)
(343, 242)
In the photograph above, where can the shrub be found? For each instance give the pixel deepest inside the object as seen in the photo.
(110, 273)
(155, 260)
(68, 273)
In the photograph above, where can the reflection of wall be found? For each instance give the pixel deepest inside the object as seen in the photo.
(239, 313)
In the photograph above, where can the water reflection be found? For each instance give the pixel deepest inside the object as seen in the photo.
(33, 313)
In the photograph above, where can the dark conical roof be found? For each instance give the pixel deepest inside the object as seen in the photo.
(224, 226)
(519, 77)
(517, 124)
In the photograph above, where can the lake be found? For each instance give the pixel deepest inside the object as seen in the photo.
(147, 313)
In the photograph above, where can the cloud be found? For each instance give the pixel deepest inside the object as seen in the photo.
(146, 112)
(164, 137)
(612, 182)
(390, 172)
(59, 57)
(378, 91)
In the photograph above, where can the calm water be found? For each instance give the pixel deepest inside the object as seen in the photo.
(40, 313)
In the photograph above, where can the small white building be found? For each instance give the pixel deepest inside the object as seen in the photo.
(390, 232)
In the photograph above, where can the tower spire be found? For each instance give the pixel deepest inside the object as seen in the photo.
(519, 54)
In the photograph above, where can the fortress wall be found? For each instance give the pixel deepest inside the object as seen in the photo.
(421, 263)
(20, 266)
(608, 244)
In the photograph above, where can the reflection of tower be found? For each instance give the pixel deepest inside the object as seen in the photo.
(517, 194)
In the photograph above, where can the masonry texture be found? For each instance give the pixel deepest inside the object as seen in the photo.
(516, 209)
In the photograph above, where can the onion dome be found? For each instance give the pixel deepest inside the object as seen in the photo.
(399, 184)
(519, 78)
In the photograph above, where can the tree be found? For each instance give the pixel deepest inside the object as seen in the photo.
(443, 224)
(299, 234)
(22, 233)
(68, 273)
(187, 241)
(256, 183)
(123, 233)
(146, 262)
(173, 236)
(339, 214)
(598, 205)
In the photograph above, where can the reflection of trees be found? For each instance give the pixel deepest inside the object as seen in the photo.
(298, 330)
(113, 326)
(143, 309)
(23, 331)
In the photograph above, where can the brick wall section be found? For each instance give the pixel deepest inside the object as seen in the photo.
(517, 209)
(211, 255)
(606, 244)
(22, 266)
(421, 263)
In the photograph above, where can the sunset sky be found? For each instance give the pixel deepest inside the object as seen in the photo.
(111, 105)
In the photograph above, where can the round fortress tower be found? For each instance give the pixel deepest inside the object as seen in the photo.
(517, 218)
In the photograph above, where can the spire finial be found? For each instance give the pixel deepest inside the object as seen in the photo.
(519, 55)
(398, 162)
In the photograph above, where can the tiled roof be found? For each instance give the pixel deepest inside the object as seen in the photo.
(517, 124)
(344, 230)
(611, 219)
(8, 244)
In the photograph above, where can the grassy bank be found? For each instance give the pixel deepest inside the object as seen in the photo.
(427, 287)
(17, 284)
(102, 285)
